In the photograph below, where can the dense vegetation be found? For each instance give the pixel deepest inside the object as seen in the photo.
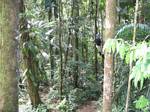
(75, 55)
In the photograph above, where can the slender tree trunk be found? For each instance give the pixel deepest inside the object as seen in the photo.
(67, 51)
(108, 61)
(51, 60)
(82, 51)
(86, 52)
(96, 32)
(102, 35)
(76, 46)
(131, 63)
(51, 51)
(91, 9)
(28, 60)
(8, 77)
(33, 92)
(32, 85)
(60, 48)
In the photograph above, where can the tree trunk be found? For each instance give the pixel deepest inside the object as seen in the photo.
(108, 61)
(32, 82)
(67, 51)
(86, 52)
(33, 92)
(60, 48)
(102, 35)
(131, 58)
(96, 32)
(52, 63)
(51, 51)
(32, 87)
(8, 79)
(75, 14)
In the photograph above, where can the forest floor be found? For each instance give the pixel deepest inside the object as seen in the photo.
(88, 106)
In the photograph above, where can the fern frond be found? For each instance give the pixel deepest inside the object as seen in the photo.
(126, 32)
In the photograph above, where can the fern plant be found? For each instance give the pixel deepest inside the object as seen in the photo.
(126, 32)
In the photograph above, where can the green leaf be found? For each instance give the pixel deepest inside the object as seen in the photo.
(113, 45)
(107, 46)
(142, 103)
(122, 51)
(127, 58)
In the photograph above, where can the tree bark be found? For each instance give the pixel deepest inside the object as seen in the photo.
(8, 79)
(75, 11)
(51, 51)
(110, 24)
(96, 32)
(60, 48)
(67, 51)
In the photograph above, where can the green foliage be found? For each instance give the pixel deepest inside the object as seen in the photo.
(126, 32)
(119, 46)
(102, 4)
(142, 103)
(141, 70)
(40, 108)
(73, 97)
(44, 34)
(48, 4)
(36, 46)
(64, 106)
(146, 9)
(53, 94)
(71, 101)
(118, 109)
(140, 54)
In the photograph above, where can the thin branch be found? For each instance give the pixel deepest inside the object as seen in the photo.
(131, 63)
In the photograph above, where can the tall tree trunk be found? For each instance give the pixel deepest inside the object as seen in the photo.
(52, 63)
(67, 51)
(51, 51)
(82, 50)
(28, 60)
(75, 9)
(60, 48)
(108, 61)
(8, 79)
(86, 52)
(96, 33)
(91, 8)
(102, 35)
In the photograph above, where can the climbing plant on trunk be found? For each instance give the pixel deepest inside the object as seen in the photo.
(29, 60)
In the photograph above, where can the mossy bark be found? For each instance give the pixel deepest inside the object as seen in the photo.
(8, 80)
